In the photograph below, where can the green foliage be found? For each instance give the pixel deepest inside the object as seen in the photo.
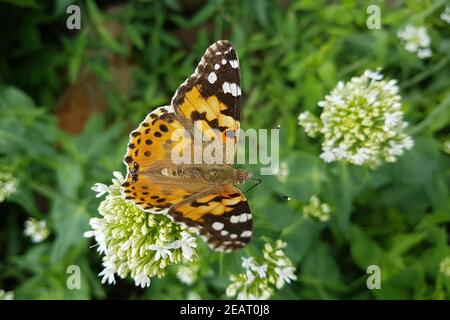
(291, 54)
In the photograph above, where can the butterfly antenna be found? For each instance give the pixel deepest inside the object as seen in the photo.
(258, 181)
(283, 196)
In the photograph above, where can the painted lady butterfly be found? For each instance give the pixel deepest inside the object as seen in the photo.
(202, 196)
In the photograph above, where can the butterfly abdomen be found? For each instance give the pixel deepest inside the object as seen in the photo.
(207, 173)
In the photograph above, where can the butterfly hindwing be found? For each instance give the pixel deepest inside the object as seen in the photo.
(222, 217)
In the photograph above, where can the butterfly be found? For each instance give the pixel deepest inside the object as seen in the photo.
(202, 196)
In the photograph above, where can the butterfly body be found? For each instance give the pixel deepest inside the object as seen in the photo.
(200, 195)
(213, 174)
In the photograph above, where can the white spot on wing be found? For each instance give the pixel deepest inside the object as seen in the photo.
(216, 66)
(246, 234)
(234, 219)
(243, 217)
(232, 88)
(233, 236)
(217, 226)
(224, 61)
(226, 87)
(212, 77)
(234, 63)
(224, 232)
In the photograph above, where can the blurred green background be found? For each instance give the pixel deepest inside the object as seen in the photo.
(69, 98)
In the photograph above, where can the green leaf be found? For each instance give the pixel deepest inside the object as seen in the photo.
(11, 97)
(365, 251)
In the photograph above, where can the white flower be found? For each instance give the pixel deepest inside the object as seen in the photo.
(100, 188)
(8, 185)
(445, 15)
(316, 209)
(261, 270)
(142, 280)
(36, 230)
(310, 123)
(192, 295)
(446, 146)
(160, 252)
(119, 178)
(341, 151)
(187, 243)
(248, 262)
(187, 274)
(392, 119)
(444, 267)
(335, 99)
(242, 296)
(416, 40)
(374, 75)
(285, 275)
(97, 232)
(185, 277)
(424, 53)
(249, 277)
(361, 156)
(108, 272)
(328, 156)
(6, 295)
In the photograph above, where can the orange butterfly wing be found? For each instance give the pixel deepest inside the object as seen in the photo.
(149, 152)
(210, 99)
(222, 218)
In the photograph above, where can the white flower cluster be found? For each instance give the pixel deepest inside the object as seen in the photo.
(192, 295)
(446, 146)
(6, 295)
(416, 40)
(316, 209)
(8, 185)
(361, 122)
(310, 124)
(444, 267)
(445, 15)
(187, 274)
(258, 279)
(36, 230)
(136, 242)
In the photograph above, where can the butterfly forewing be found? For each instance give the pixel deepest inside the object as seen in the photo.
(211, 96)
